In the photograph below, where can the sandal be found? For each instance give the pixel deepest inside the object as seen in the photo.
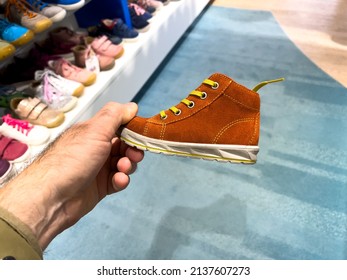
(36, 112)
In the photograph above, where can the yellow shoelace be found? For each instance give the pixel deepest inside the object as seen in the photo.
(190, 103)
(203, 95)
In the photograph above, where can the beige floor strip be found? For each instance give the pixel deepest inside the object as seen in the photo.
(317, 27)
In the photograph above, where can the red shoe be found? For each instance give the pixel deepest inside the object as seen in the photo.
(13, 150)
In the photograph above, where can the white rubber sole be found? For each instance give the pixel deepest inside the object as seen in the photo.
(23, 157)
(143, 30)
(59, 16)
(223, 153)
(72, 7)
(130, 40)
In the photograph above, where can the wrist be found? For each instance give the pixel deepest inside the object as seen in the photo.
(28, 198)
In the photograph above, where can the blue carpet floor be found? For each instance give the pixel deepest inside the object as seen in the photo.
(290, 205)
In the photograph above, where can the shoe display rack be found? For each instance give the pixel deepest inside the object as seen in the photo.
(134, 68)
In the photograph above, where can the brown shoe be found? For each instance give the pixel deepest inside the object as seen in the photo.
(220, 120)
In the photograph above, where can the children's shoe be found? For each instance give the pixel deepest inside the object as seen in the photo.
(62, 39)
(54, 13)
(13, 150)
(37, 59)
(118, 28)
(219, 120)
(17, 11)
(66, 86)
(84, 54)
(67, 4)
(145, 4)
(165, 2)
(69, 71)
(5, 170)
(103, 46)
(53, 96)
(24, 131)
(141, 11)
(97, 31)
(158, 5)
(7, 93)
(6, 49)
(15, 34)
(36, 112)
(138, 21)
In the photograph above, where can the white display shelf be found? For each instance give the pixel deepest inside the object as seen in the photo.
(133, 69)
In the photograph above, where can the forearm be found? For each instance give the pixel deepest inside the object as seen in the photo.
(28, 198)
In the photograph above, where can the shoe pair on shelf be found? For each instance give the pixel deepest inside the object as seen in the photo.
(38, 15)
(150, 6)
(219, 120)
(25, 105)
(64, 41)
(24, 18)
(12, 36)
(34, 15)
(139, 17)
(115, 30)
(11, 151)
(100, 48)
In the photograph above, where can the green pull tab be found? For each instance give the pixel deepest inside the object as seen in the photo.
(260, 85)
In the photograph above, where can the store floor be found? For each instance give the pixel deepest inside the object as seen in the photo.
(290, 205)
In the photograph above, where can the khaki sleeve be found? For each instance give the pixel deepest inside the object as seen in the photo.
(16, 239)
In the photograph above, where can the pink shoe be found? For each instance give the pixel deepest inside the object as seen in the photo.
(83, 53)
(13, 150)
(69, 71)
(103, 46)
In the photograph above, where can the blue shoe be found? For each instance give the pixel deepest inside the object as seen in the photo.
(67, 4)
(140, 11)
(53, 12)
(137, 20)
(118, 28)
(97, 31)
(15, 34)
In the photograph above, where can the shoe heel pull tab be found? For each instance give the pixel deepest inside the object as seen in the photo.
(264, 83)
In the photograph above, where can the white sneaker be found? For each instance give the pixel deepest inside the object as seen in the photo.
(52, 94)
(54, 13)
(24, 131)
(66, 86)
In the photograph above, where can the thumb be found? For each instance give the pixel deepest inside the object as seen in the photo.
(129, 112)
(113, 115)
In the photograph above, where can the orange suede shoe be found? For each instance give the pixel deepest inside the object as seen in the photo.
(220, 120)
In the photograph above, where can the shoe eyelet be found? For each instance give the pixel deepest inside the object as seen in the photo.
(215, 85)
(178, 113)
(191, 104)
(203, 95)
(163, 118)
